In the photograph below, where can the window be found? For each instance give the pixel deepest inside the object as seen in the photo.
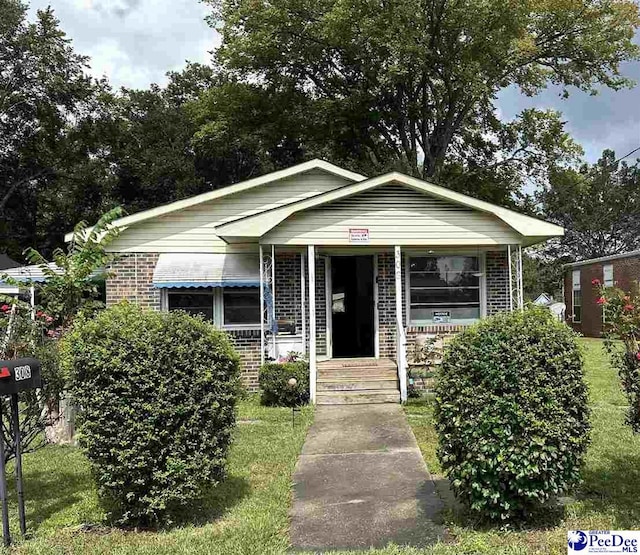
(607, 274)
(231, 306)
(444, 289)
(194, 302)
(241, 306)
(576, 297)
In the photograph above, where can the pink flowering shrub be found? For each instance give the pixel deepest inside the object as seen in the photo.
(621, 330)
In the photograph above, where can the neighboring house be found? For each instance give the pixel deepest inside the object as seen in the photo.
(6, 262)
(346, 269)
(583, 312)
(25, 274)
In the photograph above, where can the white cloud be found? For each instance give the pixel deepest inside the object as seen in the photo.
(135, 42)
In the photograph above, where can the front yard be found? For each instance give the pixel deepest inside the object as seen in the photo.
(249, 513)
(609, 498)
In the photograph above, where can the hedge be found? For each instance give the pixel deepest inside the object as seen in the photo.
(511, 413)
(156, 393)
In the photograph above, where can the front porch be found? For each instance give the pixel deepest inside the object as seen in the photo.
(304, 310)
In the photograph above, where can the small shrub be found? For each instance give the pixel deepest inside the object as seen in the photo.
(275, 387)
(511, 413)
(157, 394)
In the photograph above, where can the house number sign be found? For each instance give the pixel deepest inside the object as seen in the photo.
(16, 375)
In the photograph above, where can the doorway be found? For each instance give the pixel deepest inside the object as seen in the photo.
(352, 306)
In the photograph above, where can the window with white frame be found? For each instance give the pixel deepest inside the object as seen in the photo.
(444, 288)
(576, 296)
(225, 307)
(607, 275)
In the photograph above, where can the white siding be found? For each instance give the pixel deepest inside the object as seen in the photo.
(393, 214)
(192, 229)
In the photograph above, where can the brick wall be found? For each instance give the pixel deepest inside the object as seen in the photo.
(497, 278)
(387, 304)
(131, 279)
(287, 288)
(625, 272)
(247, 345)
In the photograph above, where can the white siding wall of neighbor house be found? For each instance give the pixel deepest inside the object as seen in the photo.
(393, 214)
(192, 229)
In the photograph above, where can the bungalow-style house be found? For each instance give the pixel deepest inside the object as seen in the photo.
(340, 267)
(584, 314)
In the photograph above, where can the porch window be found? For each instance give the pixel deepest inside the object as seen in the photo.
(225, 307)
(444, 289)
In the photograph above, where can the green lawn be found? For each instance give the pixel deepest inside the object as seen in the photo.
(247, 514)
(609, 498)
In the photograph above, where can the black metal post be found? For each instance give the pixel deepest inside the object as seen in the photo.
(16, 433)
(6, 534)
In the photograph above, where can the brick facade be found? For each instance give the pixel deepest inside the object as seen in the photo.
(497, 280)
(132, 275)
(625, 271)
(131, 278)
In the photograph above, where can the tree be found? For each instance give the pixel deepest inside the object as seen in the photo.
(598, 205)
(43, 89)
(70, 289)
(405, 82)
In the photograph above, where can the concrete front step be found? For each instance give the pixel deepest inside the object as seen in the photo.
(373, 374)
(355, 385)
(362, 397)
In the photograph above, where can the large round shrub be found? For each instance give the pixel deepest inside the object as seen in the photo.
(511, 413)
(156, 393)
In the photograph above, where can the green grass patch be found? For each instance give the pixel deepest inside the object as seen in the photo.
(608, 498)
(246, 514)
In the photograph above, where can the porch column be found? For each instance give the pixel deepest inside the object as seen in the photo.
(400, 338)
(311, 258)
(262, 308)
(515, 285)
(303, 302)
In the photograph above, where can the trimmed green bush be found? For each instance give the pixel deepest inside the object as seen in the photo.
(157, 396)
(274, 383)
(511, 413)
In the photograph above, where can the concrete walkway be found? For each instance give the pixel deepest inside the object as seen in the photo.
(361, 482)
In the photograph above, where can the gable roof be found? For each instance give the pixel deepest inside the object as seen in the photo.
(315, 164)
(532, 229)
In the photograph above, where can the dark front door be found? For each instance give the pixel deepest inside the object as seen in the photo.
(352, 309)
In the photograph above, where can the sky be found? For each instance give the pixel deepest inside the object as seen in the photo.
(135, 42)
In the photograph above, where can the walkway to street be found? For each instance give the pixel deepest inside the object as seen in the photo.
(361, 482)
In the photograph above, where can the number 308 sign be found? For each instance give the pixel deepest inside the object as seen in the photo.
(18, 375)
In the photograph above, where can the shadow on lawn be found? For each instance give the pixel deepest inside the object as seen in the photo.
(453, 512)
(46, 497)
(614, 488)
(215, 502)
(46, 494)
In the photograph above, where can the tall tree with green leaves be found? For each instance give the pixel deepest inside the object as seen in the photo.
(43, 90)
(412, 84)
(598, 205)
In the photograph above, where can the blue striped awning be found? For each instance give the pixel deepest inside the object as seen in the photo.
(175, 270)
